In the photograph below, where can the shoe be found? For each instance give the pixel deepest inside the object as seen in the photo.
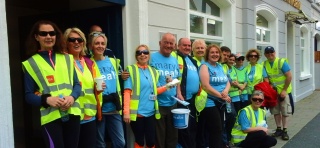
(277, 133)
(285, 136)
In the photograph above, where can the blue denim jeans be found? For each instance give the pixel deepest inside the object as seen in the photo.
(114, 126)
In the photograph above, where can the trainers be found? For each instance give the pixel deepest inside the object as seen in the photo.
(285, 136)
(277, 133)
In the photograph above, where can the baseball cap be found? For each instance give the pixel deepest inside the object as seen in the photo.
(239, 56)
(269, 49)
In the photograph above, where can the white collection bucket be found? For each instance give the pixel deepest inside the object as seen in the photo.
(180, 118)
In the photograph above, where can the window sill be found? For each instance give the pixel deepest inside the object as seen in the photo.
(305, 76)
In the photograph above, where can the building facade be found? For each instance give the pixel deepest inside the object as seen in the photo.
(290, 26)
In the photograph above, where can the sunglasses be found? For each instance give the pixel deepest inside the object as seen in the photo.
(95, 34)
(45, 33)
(240, 59)
(251, 56)
(257, 99)
(80, 40)
(140, 52)
(267, 52)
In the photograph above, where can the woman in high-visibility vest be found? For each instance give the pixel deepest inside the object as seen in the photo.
(111, 99)
(255, 71)
(50, 71)
(242, 80)
(76, 45)
(140, 99)
(251, 129)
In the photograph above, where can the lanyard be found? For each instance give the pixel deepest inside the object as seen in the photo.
(151, 86)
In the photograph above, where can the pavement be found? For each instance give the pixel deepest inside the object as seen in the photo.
(307, 117)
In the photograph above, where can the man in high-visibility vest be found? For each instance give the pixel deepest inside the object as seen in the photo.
(280, 76)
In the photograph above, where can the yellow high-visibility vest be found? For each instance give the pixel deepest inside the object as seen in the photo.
(237, 134)
(257, 78)
(58, 81)
(276, 77)
(87, 100)
(135, 94)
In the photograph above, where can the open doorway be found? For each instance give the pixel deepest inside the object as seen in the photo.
(21, 15)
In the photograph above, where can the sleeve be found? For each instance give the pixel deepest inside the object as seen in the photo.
(264, 73)
(285, 67)
(243, 120)
(128, 83)
(126, 101)
(30, 87)
(76, 91)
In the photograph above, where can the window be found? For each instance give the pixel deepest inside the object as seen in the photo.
(205, 20)
(302, 49)
(262, 30)
(263, 34)
(304, 54)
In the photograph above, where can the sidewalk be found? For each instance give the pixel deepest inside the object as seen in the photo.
(305, 110)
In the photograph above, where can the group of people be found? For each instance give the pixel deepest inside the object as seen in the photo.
(60, 79)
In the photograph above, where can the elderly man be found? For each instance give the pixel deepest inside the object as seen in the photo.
(280, 76)
(167, 65)
(190, 84)
(251, 129)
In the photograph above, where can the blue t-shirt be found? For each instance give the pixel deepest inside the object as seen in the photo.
(146, 106)
(109, 75)
(167, 66)
(217, 80)
(245, 122)
(193, 80)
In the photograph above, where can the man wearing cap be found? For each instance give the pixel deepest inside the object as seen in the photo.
(242, 80)
(280, 76)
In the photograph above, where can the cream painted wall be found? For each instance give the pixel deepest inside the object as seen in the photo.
(6, 124)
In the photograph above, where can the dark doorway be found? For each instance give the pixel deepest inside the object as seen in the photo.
(26, 118)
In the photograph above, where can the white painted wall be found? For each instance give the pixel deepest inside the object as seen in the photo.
(6, 124)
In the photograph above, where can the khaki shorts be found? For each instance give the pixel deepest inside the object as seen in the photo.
(284, 108)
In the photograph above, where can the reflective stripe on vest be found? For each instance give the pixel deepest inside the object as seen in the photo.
(135, 95)
(237, 134)
(276, 76)
(87, 100)
(257, 78)
(61, 82)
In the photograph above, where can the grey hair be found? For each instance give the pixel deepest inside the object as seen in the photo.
(257, 93)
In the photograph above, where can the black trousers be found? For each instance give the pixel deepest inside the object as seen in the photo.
(258, 139)
(88, 133)
(62, 134)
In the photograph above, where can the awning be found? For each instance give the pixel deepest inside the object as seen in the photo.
(299, 17)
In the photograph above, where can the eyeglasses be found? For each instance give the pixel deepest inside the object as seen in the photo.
(267, 52)
(251, 56)
(95, 34)
(257, 99)
(45, 33)
(140, 52)
(80, 40)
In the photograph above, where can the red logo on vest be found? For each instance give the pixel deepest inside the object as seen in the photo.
(180, 66)
(50, 78)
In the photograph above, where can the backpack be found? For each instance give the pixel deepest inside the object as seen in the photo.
(270, 95)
